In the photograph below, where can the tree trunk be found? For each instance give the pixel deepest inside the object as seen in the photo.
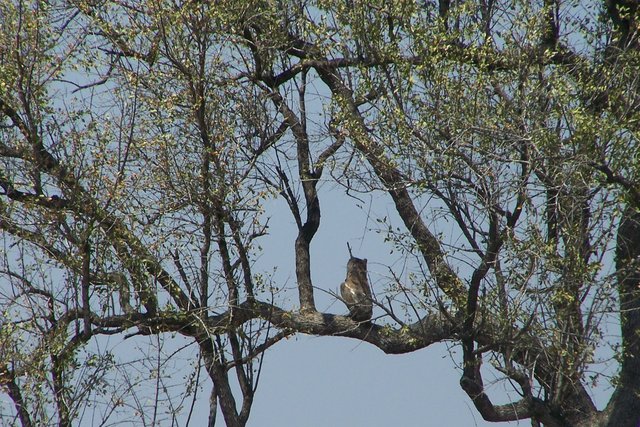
(624, 406)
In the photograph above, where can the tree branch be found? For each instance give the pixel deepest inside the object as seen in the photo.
(8, 380)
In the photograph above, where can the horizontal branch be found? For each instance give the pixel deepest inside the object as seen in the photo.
(431, 329)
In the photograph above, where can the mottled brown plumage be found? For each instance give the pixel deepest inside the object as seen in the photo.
(355, 290)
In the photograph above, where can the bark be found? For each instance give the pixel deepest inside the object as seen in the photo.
(625, 402)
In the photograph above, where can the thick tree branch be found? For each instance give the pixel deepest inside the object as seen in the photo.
(309, 180)
(428, 244)
(527, 407)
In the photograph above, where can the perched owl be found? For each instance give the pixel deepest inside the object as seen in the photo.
(355, 290)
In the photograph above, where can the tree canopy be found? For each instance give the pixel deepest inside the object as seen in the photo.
(142, 143)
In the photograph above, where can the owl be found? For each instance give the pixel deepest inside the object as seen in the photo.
(355, 291)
